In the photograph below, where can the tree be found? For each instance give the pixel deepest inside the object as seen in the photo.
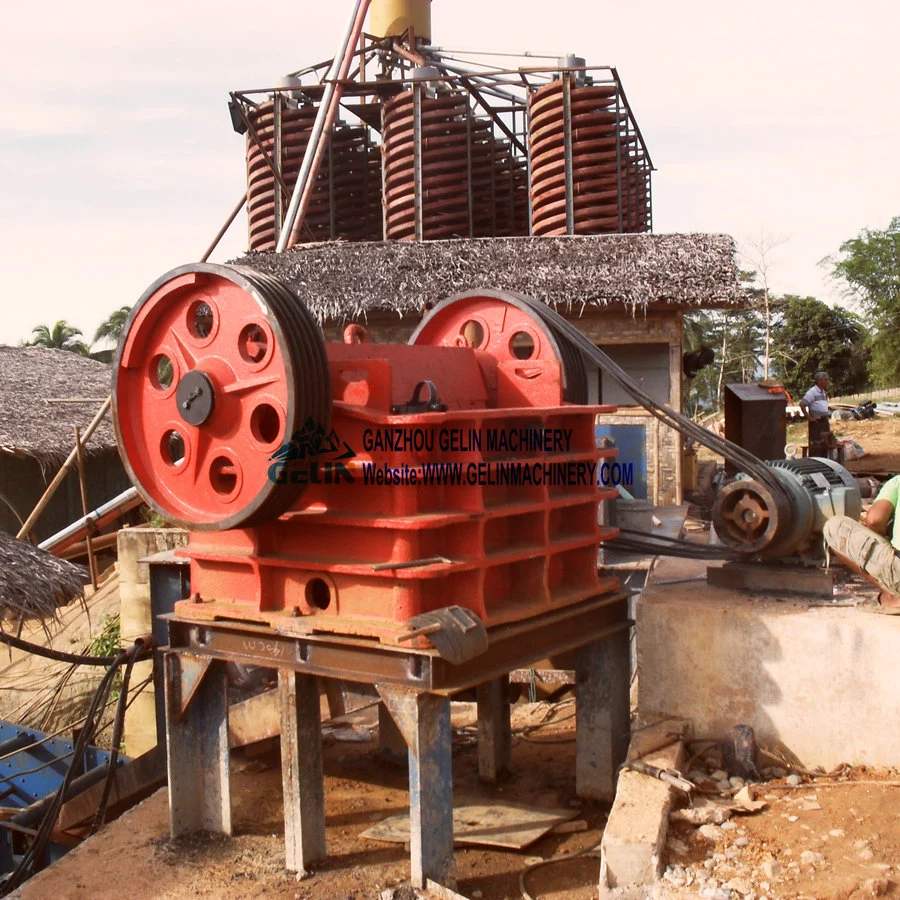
(111, 327)
(759, 255)
(814, 336)
(869, 267)
(61, 336)
(737, 336)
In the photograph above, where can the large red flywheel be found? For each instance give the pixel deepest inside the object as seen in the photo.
(218, 368)
(510, 327)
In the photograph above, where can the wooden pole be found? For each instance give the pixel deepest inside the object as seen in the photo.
(85, 509)
(215, 242)
(61, 474)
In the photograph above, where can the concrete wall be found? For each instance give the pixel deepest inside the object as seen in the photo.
(135, 544)
(821, 681)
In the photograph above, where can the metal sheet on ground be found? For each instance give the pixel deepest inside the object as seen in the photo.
(490, 824)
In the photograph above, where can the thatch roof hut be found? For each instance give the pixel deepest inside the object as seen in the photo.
(627, 292)
(34, 583)
(615, 273)
(44, 394)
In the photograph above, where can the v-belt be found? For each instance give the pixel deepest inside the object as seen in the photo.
(743, 459)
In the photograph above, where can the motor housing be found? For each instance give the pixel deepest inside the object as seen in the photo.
(751, 518)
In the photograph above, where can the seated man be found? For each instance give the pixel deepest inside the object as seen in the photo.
(866, 548)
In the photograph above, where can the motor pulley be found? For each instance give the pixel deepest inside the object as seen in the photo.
(751, 518)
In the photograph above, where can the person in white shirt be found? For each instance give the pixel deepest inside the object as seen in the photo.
(815, 407)
(815, 401)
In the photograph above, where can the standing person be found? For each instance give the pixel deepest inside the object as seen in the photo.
(815, 407)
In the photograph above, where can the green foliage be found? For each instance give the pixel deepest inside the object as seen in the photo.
(806, 335)
(153, 518)
(107, 643)
(869, 266)
(738, 338)
(811, 336)
(111, 327)
(60, 336)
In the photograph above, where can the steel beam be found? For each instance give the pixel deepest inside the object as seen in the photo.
(494, 733)
(197, 745)
(424, 722)
(301, 770)
(602, 723)
(370, 662)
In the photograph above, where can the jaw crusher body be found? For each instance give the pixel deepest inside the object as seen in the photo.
(349, 487)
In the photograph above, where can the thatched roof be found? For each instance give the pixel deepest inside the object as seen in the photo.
(33, 581)
(346, 281)
(31, 423)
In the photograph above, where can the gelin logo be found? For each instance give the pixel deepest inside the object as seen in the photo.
(321, 456)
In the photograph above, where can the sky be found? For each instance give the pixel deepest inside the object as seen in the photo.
(775, 122)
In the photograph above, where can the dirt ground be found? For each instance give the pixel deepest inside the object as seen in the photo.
(829, 838)
(826, 838)
(361, 788)
(880, 438)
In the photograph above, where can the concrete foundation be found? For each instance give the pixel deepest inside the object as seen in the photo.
(633, 845)
(135, 544)
(817, 681)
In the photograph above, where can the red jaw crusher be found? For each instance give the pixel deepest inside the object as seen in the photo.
(349, 487)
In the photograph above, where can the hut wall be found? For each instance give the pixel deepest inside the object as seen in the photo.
(648, 347)
(23, 482)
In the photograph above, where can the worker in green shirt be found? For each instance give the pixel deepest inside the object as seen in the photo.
(867, 548)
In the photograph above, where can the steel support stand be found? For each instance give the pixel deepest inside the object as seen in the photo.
(301, 770)
(197, 744)
(494, 733)
(424, 722)
(390, 741)
(603, 712)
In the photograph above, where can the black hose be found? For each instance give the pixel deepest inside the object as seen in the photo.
(61, 656)
(682, 550)
(118, 726)
(35, 852)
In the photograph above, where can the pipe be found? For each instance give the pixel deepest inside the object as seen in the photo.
(325, 117)
(125, 501)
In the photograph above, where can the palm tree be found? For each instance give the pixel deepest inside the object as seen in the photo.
(61, 336)
(112, 326)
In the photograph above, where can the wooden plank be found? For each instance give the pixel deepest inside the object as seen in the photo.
(255, 719)
(134, 781)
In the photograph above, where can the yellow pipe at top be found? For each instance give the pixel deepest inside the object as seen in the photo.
(390, 18)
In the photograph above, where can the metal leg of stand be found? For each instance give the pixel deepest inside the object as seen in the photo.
(602, 725)
(197, 744)
(424, 722)
(390, 742)
(494, 736)
(302, 780)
